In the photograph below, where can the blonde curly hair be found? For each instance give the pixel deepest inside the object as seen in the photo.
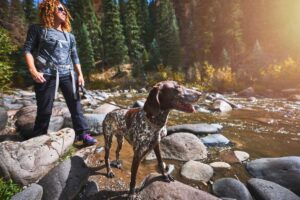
(47, 10)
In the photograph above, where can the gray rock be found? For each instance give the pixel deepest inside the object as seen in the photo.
(105, 108)
(24, 93)
(241, 155)
(27, 161)
(94, 122)
(248, 92)
(221, 106)
(220, 165)
(3, 118)
(197, 171)
(284, 171)
(201, 128)
(56, 123)
(33, 192)
(266, 190)
(138, 104)
(215, 140)
(153, 188)
(231, 188)
(181, 146)
(65, 180)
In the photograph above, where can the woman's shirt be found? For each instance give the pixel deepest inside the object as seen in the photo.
(51, 45)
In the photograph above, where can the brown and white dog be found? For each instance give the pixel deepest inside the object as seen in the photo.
(144, 127)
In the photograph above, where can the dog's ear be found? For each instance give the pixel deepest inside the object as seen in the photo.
(152, 103)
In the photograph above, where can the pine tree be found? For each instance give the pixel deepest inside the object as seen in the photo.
(31, 12)
(225, 59)
(133, 39)
(85, 49)
(4, 10)
(115, 50)
(154, 55)
(167, 34)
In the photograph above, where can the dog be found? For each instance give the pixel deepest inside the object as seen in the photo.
(144, 127)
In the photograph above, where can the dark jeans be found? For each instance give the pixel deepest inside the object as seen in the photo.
(45, 97)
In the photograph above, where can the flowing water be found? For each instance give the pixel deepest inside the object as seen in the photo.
(262, 128)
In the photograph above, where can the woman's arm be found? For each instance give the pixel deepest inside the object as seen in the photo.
(76, 62)
(37, 76)
(79, 73)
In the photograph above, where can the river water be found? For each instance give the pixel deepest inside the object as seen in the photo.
(263, 128)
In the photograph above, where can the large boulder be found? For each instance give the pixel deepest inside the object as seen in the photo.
(33, 192)
(221, 106)
(26, 162)
(285, 171)
(105, 108)
(65, 180)
(266, 190)
(231, 188)
(197, 171)
(200, 129)
(3, 118)
(153, 187)
(181, 146)
(94, 122)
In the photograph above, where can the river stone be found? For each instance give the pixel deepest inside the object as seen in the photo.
(231, 188)
(56, 123)
(105, 108)
(215, 140)
(154, 188)
(181, 146)
(3, 118)
(197, 171)
(201, 128)
(65, 180)
(94, 122)
(294, 97)
(220, 165)
(27, 161)
(248, 92)
(33, 192)
(241, 155)
(266, 190)
(284, 171)
(138, 104)
(24, 93)
(221, 106)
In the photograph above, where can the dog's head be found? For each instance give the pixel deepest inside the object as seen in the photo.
(167, 95)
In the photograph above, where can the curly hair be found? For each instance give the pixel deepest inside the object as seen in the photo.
(47, 10)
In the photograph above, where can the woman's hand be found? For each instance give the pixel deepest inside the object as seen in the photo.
(38, 77)
(80, 80)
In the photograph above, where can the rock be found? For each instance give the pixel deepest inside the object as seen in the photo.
(215, 140)
(201, 128)
(56, 123)
(231, 188)
(105, 108)
(284, 171)
(65, 180)
(252, 99)
(266, 190)
(33, 192)
(94, 122)
(27, 161)
(24, 93)
(138, 104)
(221, 106)
(3, 118)
(197, 171)
(294, 97)
(241, 155)
(85, 152)
(181, 146)
(220, 165)
(154, 188)
(143, 90)
(248, 92)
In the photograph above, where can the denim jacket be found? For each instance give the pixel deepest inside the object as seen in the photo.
(51, 48)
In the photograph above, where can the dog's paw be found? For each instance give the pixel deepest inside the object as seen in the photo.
(110, 175)
(116, 164)
(168, 178)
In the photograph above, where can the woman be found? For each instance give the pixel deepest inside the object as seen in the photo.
(51, 57)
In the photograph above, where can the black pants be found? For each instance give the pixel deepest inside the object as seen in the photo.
(45, 97)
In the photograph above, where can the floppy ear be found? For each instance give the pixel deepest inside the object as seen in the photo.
(152, 103)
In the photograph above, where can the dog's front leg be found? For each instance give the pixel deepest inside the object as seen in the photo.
(167, 177)
(134, 168)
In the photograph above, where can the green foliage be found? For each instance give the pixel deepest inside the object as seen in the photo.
(31, 12)
(154, 56)
(115, 50)
(167, 34)
(6, 63)
(224, 79)
(68, 154)
(8, 189)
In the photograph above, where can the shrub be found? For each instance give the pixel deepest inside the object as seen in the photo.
(224, 79)
(8, 189)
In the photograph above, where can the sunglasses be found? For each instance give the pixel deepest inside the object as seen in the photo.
(60, 9)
